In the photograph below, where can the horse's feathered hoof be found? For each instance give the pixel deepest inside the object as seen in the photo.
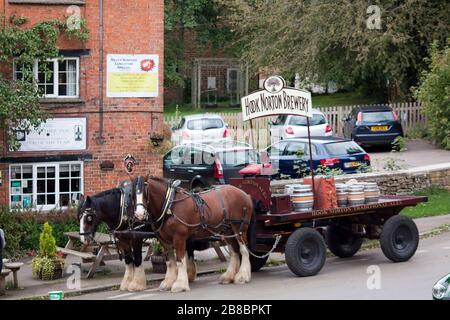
(225, 279)
(136, 287)
(179, 286)
(241, 278)
(165, 285)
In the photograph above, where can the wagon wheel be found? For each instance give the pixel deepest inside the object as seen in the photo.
(305, 252)
(342, 242)
(399, 238)
(257, 263)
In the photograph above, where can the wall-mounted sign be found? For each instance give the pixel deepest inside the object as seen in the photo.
(55, 135)
(132, 76)
(276, 99)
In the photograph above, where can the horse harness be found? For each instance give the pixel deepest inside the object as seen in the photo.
(200, 204)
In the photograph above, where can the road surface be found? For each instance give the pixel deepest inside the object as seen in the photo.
(339, 279)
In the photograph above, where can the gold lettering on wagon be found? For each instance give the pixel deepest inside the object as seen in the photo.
(365, 207)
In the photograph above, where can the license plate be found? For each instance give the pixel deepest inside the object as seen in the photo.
(380, 128)
(352, 164)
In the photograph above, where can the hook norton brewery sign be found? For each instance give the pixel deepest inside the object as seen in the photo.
(276, 99)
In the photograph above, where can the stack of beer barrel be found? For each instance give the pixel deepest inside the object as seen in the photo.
(348, 195)
(301, 197)
(357, 194)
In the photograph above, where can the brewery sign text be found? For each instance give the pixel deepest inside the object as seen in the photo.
(276, 99)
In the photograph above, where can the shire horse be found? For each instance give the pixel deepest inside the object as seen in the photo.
(106, 207)
(176, 215)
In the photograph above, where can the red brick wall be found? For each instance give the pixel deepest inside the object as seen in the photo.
(130, 27)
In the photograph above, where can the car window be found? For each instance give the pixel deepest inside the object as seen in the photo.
(234, 158)
(280, 120)
(377, 116)
(276, 149)
(181, 124)
(299, 148)
(343, 148)
(175, 156)
(204, 124)
(193, 156)
(316, 120)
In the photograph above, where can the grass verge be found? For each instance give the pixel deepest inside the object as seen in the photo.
(438, 203)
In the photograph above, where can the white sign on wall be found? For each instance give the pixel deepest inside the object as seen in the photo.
(276, 99)
(132, 75)
(55, 135)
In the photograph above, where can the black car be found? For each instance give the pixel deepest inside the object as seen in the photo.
(370, 126)
(200, 166)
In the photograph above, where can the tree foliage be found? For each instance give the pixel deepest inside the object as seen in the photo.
(204, 17)
(434, 94)
(20, 107)
(327, 40)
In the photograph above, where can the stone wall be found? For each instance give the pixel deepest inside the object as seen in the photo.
(399, 182)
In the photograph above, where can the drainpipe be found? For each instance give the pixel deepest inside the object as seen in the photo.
(101, 139)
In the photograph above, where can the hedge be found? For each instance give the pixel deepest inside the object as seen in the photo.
(22, 229)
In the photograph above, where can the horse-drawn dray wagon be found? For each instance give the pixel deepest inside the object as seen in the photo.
(303, 236)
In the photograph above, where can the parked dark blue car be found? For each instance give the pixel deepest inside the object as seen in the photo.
(370, 126)
(331, 152)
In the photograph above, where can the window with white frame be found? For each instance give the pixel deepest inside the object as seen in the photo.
(56, 78)
(45, 186)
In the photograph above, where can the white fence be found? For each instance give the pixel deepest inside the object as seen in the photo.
(409, 113)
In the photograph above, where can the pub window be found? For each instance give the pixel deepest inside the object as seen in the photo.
(45, 186)
(55, 78)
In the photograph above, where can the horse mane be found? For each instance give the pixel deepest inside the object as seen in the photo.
(158, 179)
(106, 193)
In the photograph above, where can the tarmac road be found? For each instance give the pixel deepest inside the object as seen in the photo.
(339, 279)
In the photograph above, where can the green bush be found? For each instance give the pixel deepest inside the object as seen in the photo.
(47, 242)
(433, 93)
(22, 229)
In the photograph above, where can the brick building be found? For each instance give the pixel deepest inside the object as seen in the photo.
(81, 149)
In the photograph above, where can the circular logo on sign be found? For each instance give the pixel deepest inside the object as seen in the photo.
(147, 64)
(274, 84)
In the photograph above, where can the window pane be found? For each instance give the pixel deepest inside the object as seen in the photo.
(62, 78)
(51, 199)
(40, 199)
(64, 185)
(27, 172)
(75, 185)
(41, 172)
(64, 170)
(64, 200)
(49, 89)
(62, 90)
(75, 170)
(51, 185)
(28, 186)
(50, 172)
(62, 65)
(41, 186)
(16, 172)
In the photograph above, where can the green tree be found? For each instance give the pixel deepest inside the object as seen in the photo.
(330, 40)
(434, 94)
(20, 107)
(204, 18)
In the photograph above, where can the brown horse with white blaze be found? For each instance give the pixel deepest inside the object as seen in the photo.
(177, 215)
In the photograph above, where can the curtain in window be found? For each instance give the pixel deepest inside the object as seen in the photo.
(71, 78)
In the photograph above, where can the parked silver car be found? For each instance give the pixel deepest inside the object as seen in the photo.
(202, 128)
(290, 126)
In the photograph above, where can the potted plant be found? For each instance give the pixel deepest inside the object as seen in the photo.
(158, 258)
(47, 265)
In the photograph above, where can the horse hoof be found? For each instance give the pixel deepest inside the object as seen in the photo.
(165, 286)
(136, 287)
(225, 279)
(123, 287)
(179, 287)
(241, 279)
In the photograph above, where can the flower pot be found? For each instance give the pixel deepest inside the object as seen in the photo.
(57, 273)
(158, 263)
